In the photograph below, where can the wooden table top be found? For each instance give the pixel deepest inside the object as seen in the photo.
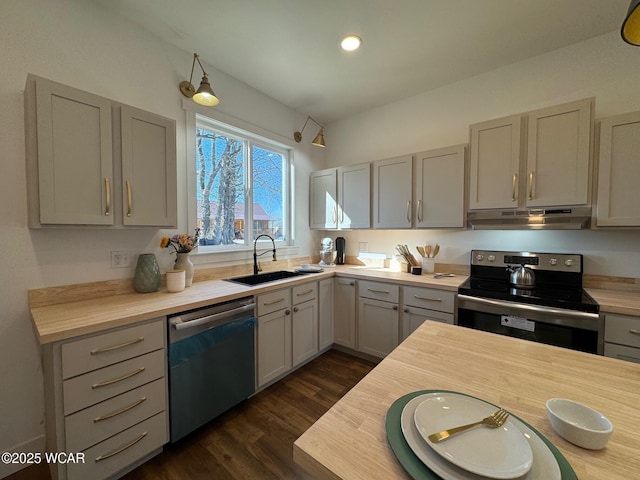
(349, 441)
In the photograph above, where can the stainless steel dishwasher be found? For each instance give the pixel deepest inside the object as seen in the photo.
(211, 363)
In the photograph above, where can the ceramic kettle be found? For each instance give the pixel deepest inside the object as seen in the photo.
(522, 277)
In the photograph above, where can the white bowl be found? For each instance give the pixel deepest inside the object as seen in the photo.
(578, 423)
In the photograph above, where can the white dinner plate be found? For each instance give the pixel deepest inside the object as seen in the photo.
(544, 466)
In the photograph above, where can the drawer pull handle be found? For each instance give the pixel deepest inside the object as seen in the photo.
(119, 379)
(274, 302)
(115, 347)
(306, 292)
(427, 299)
(633, 331)
(386, 292)
(121, 449)
(118, 412)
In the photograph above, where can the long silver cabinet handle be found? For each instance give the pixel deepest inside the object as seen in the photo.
(513, 187)
(419, 211)
(119, 412)
(427, 299)
(274, 301)
(386, 292)
(115, 347)
(633, 331)
(409, 211)
(128, 198)
(119, 379)
(121, 449)
(306, 292)
(107, 193)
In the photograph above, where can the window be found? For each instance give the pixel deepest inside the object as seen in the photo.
(241, 186)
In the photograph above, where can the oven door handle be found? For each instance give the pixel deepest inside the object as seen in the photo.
(529, 308)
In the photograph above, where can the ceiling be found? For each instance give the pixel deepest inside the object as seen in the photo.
(288, 49)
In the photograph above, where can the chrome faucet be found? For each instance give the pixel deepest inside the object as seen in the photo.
(256, 266)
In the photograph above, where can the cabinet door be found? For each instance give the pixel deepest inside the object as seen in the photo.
(325, 313)
(618, 202)
(559, 155)
(621, 352)
(304, 331)
(74, 156)
(323, 199)
(274, 345)
(354, 195)
(439, 188)
(392, 192)
(377, 327)
(344, 313)
(496, 152)
(148, 169)
(413, 317)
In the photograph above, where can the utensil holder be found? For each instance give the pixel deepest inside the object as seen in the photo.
(428, 265)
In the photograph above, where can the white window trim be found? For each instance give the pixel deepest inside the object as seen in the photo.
(232, 254)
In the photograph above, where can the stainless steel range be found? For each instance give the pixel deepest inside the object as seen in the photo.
(535, 296)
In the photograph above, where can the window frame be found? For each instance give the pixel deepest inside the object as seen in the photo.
(253, 135)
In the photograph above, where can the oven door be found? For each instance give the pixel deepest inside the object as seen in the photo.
(554, 326)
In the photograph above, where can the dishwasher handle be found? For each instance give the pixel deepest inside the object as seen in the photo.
(179, 324)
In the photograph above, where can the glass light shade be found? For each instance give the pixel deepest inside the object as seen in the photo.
(630, 30)
(351, 43)
(319, 140)
(204, 95)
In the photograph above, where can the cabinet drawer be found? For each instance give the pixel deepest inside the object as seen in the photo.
(274, 301)
(379, 291)
(93, 387)
(102, 350)
(430, 298)
(94, 424)
(304, 292)
(622, 329)
(621, 352)
(118, 452)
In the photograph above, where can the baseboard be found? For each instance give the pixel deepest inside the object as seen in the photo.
(35, 445)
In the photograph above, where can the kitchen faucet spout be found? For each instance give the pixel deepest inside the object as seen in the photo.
(256, 267)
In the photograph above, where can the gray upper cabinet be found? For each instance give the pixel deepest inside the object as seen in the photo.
(495, 158)
(559, 155)
(618, 202)
(95, 162)
(392, 180)
(148, 168)
(541, 159)
(323, 199)
(439, 182)
(69, 155)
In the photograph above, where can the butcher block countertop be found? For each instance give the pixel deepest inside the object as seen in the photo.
(86, 315)
(612, 301)
(349, 441)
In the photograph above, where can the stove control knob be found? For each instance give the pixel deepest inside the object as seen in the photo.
(553, 261)
(492, 258)
(479, 257)
(568, 262)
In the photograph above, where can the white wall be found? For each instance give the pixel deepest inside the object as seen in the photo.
(77, 43)
(604, 67)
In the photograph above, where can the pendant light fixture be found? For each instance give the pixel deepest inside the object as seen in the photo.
(630, 30)
(204, 95)
(318, 141)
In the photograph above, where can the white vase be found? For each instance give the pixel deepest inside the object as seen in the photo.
(183, 262)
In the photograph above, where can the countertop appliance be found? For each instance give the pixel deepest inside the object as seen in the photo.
(327, 253)
(551, 308)
(211, 363)
(340, 246)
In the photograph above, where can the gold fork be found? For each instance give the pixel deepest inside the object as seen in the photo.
(495, 420)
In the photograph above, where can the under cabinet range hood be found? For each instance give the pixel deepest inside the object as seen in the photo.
(573, 218)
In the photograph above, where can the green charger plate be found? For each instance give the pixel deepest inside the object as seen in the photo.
(418, 470)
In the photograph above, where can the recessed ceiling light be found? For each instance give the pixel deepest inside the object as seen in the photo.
(351, 43)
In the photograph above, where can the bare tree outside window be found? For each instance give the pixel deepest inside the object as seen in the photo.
(225, 216)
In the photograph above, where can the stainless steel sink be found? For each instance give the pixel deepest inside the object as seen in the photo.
(261, 278)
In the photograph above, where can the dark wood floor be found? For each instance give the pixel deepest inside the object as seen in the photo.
(255, 439)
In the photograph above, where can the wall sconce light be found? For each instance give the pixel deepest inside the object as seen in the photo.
(318, 141)
(630, 30)
(204, 95)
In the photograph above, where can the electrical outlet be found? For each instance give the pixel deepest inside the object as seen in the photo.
(363, 247)
(120, 259)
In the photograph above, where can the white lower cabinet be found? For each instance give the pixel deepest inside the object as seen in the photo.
(304, 329)
(274, 335)
(420, 304)
(344, 312)
(378, 318)
(106, 397)
(325, 313)
(622, 337)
